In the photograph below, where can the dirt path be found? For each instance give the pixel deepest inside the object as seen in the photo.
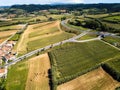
(95, 80)
(38, 73)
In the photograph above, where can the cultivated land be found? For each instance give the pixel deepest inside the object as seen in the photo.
(38, 73)
(7, 33)
(80, 58)
(113, 40)
(17, 76)
(97, 79)
(40, 35)
(31, 74)
(88, 36)
(112, 18)
(12, 27)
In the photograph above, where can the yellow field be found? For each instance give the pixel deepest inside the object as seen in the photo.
(38, 73)
(36, 32)
(95, 80)
(7, 33)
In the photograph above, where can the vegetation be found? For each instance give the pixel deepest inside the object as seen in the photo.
(94, 24)
(2, 84)
(43, 32)
(74, 59)
(113, 40)
(88, 36)
(96, 8)
(17, 76)
(15, 37)
(113, 68)
(39, 43)
(112, 19)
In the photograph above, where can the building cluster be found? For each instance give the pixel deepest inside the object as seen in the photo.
(6, 52)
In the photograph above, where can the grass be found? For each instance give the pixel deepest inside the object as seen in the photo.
(112, 18)
(17, 76)
(39, 43)
(115, 64)
(12, 27)
(88, 36)
(76, 27)
(15, 37)
(113, 40)
(43, 32)
(112, 25)
(74, 59)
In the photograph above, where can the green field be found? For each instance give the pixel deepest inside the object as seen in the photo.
(76, 27)
(17, 76)
(43, 32)
(113, 40)
(12, 27)
(115, 19)
(39, 43)
(113, 68)
(88, 36)
(74, 59)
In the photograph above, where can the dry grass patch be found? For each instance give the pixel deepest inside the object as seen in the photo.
(95, 80)
(7, 33)
(38, 73)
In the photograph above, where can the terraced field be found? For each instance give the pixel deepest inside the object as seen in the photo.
(74, 59)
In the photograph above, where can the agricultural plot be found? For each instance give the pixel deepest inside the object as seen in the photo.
(56, 16)
(7, 33)
(3, 39)
(38, 73)
(12, 27)
(76, 27)
(29, 74)
(88, 36)
(41, 35)
(112, 40)
(99, 78)
(112, 25)
(17, 76)
(98, 16)
(44, 41)
(114, 19)
(113, 68)
(44, 31)
(74, 59)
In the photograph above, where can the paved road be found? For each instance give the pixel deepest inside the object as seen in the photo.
(84, 32)
(44, 48)
(81, 41)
